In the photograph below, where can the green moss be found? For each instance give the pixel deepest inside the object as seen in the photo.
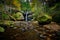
(44, 18)
(18, 16)
(2, 29)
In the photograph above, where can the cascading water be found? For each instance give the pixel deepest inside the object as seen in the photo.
(26, 16)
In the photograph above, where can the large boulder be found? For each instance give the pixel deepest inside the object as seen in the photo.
(18, 16)
(45, 19)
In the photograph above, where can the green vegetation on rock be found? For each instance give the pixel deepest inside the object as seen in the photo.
(44, 18)
(2, 29)
(18, 16)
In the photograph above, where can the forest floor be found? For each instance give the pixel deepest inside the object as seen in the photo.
(31, 31)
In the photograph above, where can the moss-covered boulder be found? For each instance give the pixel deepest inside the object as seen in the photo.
(2, 29)
(44, 19)
(18, 16)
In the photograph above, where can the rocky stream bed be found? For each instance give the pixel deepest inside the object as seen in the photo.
(21, 30)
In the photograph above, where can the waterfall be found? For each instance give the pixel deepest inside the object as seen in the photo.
(26, 16)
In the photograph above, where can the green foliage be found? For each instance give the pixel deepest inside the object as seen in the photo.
(5, 16)
(2, 29)
(42, 13)
(52, 12)
(55, 12)
(25, 5)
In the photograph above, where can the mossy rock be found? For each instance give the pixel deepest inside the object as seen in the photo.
(44, 19)
(2, 29)
(18, 16)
